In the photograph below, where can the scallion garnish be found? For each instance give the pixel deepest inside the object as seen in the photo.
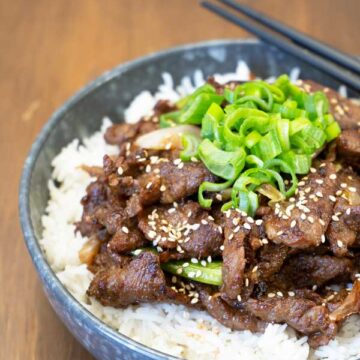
(254, 136)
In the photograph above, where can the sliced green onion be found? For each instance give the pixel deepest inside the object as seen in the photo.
(190, 143)
(198, 107)
(210, 187)
(300, 163)
(268, 147)
(211, 123)
(297, 125)
(169, 119)
(252, 139)
(225, 164)
(332, 131)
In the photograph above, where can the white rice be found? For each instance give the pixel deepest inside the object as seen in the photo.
(173, 329)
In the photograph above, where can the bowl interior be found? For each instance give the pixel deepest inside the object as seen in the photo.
(110, 94)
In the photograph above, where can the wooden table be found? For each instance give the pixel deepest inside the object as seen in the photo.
(49, 49)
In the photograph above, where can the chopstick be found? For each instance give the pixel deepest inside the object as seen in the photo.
(316, 46)
(341, 74)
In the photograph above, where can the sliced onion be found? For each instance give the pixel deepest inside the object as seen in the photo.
(89, 250)
(351, 304)
(272, 193)
(167, 138)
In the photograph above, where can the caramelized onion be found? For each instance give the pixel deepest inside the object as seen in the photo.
(271, 192)
(351, 304)
(167, 138)
(89, 250)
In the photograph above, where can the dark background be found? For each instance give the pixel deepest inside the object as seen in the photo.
(48, 50)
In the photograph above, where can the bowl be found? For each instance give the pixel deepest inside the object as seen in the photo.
(109, 95)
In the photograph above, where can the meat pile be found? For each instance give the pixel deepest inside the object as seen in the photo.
(296, 263)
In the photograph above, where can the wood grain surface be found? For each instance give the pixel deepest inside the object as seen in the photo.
(48, 50)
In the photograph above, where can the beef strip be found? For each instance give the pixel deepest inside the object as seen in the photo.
(307, 270)
(235, 319)
(345, 111)
(301, 223)
(233, 255)
(182, 181)
(127, 239)
(343, 231)
(188, 229)
(348, 147)
(142, 280)
(301, 314)
(96, 195)
(118, 134)
(270, 260)
(107, 259)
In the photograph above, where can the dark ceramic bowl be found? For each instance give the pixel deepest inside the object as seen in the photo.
(80, 116)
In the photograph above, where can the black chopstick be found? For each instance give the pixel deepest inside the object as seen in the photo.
(344, 76)
(316, 46)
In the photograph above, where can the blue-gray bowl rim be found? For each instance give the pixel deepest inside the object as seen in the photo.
(37, 255)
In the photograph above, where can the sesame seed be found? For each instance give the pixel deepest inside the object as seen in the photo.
(186, 264)
(265, 241)
(259, 222)
(181, 165)
(303, 216)
(323, 239)
(204, 222)
(322, 222)
(280, 294)
(335, 218)
(310, 219)
(293, 224)
(250, 219)
(332, 198)
(348, 211)
(171, 210)
(203, 263)
(236, 221)
(239, 298)
(246, 282)
(152, 234)
(198, 273)
(194, 300)
(168, 146)
(301, 183)
(340, 244)
(120, 170)
(332, 177)
(173, 279)
(179, 270)
(343, 185)
(319, 181)
(237, 229)
(352, 189)
(247, 226)
(191, 274)
(148, 185)
(162, 188)
(177, 161)
(291, 293)
(209, 259)
(338, 193)
(313, 170)
(254, 269)
(271, 295)
(125, 229)
(319, 194)
(222, 247)
(218, 197)
(279, 233)
(194, 159)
